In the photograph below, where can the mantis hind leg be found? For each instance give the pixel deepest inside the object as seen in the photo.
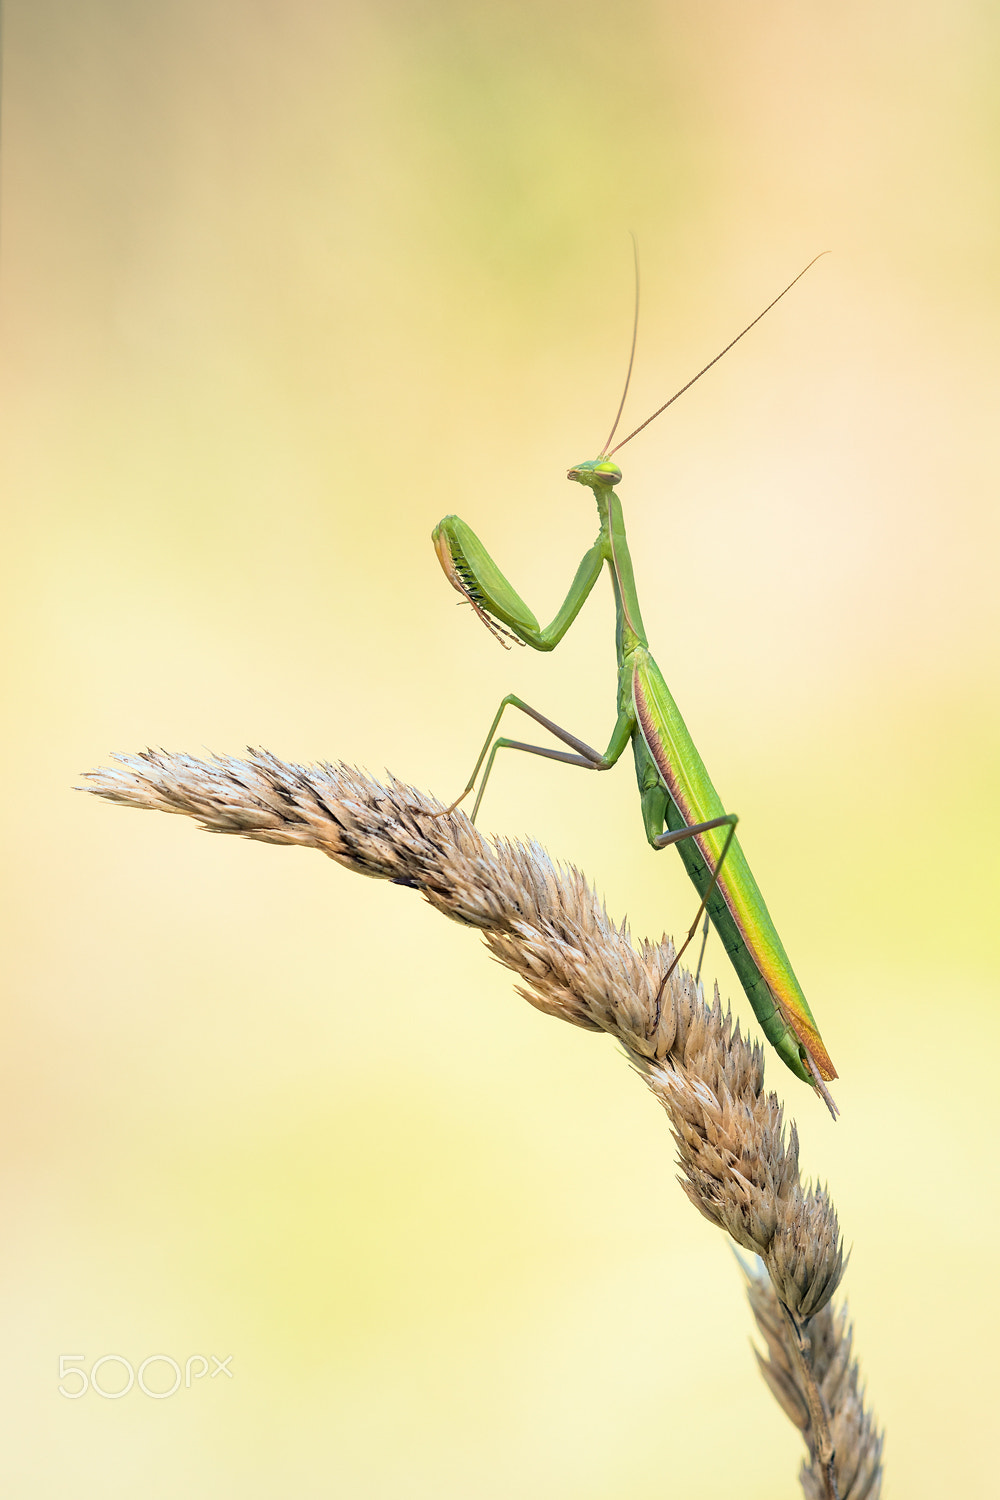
(654, 810)
(701, 950)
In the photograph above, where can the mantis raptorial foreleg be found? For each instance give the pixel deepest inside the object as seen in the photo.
(471, 570)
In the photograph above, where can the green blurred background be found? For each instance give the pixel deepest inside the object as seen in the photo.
(282, 284)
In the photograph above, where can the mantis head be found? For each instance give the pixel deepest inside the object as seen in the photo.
(598, 473)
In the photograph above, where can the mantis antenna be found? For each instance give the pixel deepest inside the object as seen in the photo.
(631, 358)
(705, 368)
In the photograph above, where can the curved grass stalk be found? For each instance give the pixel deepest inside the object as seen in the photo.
(545, 922)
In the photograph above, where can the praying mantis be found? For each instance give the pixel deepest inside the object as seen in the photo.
(679, 803)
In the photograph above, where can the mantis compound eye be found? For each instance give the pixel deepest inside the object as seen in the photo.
(609, 472)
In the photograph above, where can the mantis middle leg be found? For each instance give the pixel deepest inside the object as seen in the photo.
(583, 755)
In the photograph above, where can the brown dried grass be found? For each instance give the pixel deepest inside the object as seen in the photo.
(740, 1166)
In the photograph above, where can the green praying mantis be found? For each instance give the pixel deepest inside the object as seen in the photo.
(679, 803)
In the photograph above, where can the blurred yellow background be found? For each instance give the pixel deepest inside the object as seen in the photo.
(281, 285)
